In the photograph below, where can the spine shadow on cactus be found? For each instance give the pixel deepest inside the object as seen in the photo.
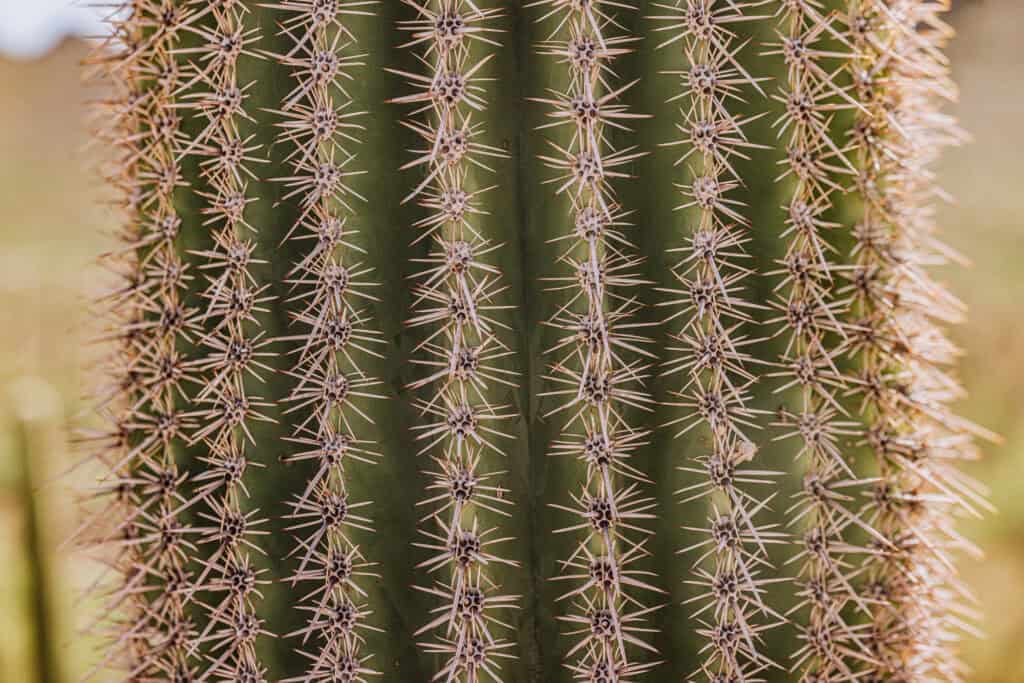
(528, 222)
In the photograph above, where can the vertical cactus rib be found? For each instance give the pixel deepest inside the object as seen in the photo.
(919, 607)
(831, 644)
(455, 302)
(331, 292)
(713, 357)
(112, 527)
(600, 363)
(233, 347)
(148, 610)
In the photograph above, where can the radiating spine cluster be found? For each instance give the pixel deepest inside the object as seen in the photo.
(919, 608)
(147, 610)
(230, 341)
(601, 362)
(456, 303)
(810, 314)
(713, 357)
(329, 311)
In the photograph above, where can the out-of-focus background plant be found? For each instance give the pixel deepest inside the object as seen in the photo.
(51, 227)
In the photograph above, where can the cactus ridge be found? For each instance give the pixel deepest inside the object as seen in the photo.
(456, 301)
(141, 532)
(233, 348)
(919, 608)
(712, 357)
(331, 291)
(601, 361)
(810, 315)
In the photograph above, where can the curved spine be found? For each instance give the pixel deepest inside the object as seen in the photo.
(455, 301)
(227, 580)
(333, 339)
(713, 356)
(919, 607)
(601, 363)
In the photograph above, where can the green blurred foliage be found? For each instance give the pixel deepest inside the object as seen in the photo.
(51, 227)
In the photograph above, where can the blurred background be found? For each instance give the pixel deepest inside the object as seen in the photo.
(52, 227)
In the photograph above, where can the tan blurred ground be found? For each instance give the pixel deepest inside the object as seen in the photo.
(987, 225)
(50, 228)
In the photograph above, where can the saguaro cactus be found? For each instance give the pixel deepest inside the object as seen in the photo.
(417, 358)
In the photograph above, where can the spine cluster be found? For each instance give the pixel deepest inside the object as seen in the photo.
(139, 532)
(456, 294)
(731, 568)
(918, 606)
(230, 343)
(601, 362)
(329, 309)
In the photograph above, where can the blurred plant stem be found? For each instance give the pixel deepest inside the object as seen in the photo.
(35, 411)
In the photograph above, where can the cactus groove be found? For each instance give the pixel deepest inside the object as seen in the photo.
(499, 340)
